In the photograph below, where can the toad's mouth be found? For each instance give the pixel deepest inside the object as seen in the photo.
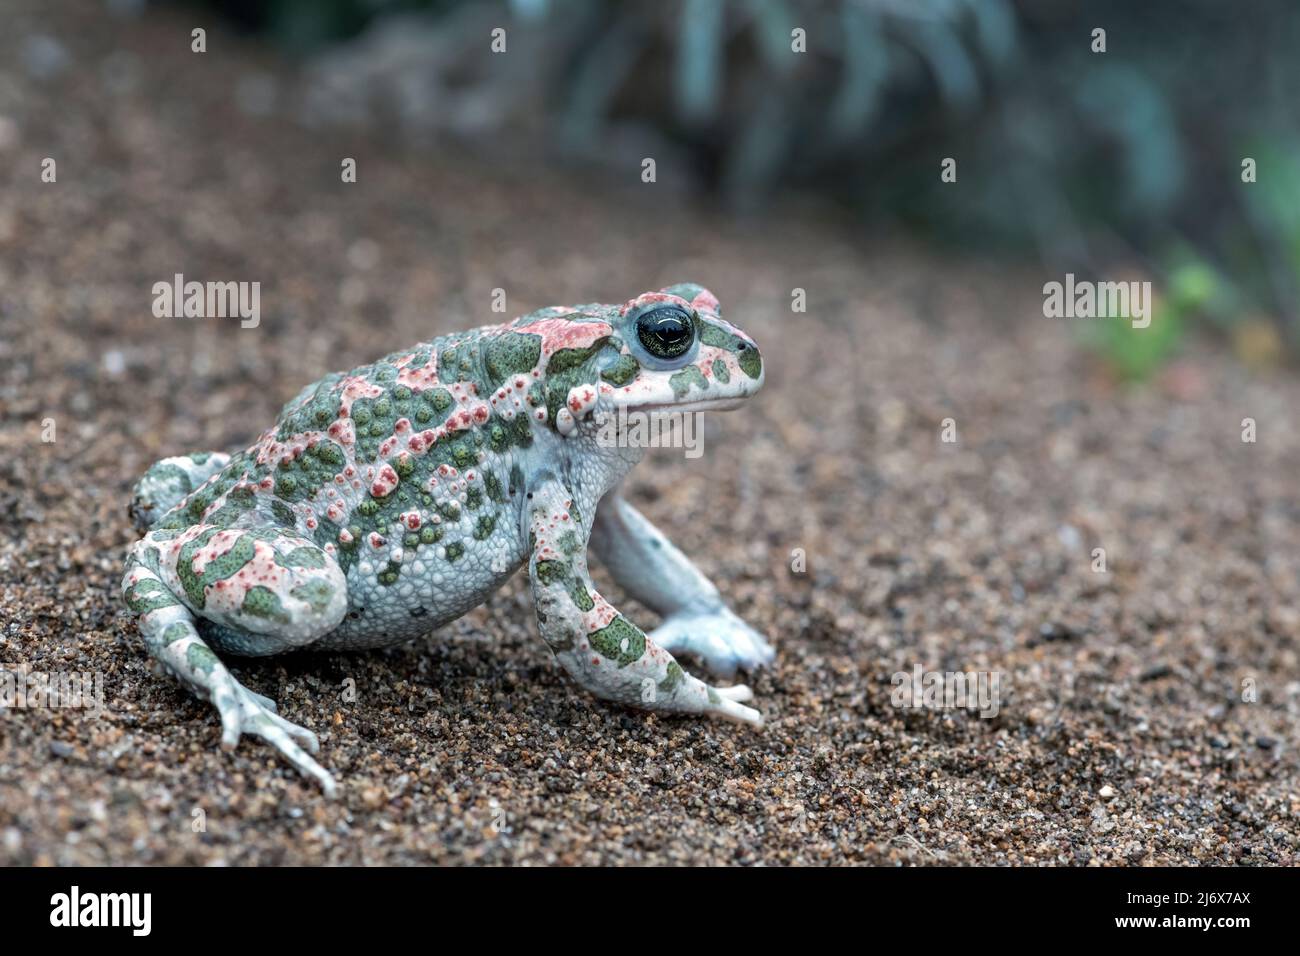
(699, 405)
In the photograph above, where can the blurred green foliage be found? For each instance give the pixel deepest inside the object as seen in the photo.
(1129, 156)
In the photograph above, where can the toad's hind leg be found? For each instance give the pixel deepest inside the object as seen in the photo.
(269, 584)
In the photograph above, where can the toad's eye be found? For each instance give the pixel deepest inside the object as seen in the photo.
(667, 332)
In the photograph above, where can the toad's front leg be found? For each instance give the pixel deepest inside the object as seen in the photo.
(696, 621)
(602, 650)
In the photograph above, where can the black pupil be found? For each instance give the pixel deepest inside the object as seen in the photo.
(667, 332)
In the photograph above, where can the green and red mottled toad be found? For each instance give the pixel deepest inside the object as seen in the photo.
(387, 501)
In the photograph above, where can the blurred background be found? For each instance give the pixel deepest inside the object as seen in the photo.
(1129, 159)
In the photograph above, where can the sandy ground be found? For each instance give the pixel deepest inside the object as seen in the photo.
(1122, 735)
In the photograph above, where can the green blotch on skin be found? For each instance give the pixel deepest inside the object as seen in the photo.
(522, 431)
(455, 550)
(390, 574)
(682, 381)
(449, 365)
(373, 418)
(493, 486)
(672, 678)
(449, 510)
(218, 569)
(262, 602)
(498, 438)
(314, 408)
(513, 353)
(751, 363)
(580, 596)
(174, 632)
(316, 594)
(549, 572)
(149, 595)
(719, 337)
(330, 454)
(619, 641)
(282, 513)
(568, 543)
(199, 502)
(622, 371)
(486, 525)
(430, 534)
(238, 501)
(463, 456)
(720, 371)
(201, 659)
(567, 368)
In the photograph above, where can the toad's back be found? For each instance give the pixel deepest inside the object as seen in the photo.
(407, 471)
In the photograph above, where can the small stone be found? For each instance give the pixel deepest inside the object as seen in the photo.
(1155, 672)
(1107, 792)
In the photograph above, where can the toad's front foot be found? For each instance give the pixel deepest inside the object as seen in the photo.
(719, 638)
